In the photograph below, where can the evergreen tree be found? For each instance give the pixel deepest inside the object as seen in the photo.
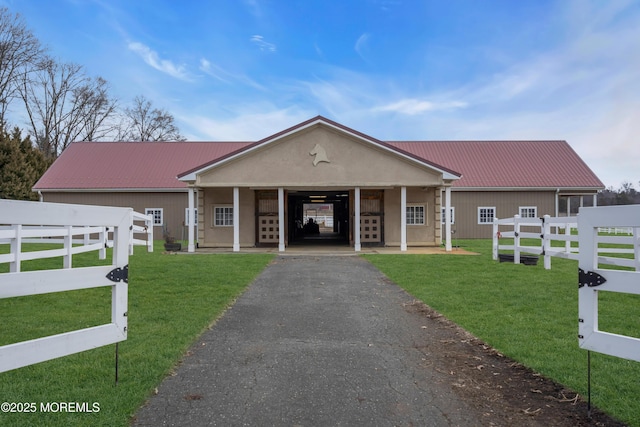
(21, 165)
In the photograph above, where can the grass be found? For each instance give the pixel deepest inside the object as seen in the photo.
(526, 312)
(172, 300)
(529, 314)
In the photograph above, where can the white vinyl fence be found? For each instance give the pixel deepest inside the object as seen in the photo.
(564, 232)
(606, 243)
(87, 238)
(599, 273)
(72, 225)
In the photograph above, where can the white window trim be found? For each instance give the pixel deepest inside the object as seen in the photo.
(453, 215)
(186, 216)
(213, 212)
(152, 211)
(424, 214)
(480, 208)
(535, 211)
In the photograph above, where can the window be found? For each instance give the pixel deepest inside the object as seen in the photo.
(415, 214)
(157, 215)
(223, 216)
(186, 216)
(486, 215)
(528, 212)
(453, 215)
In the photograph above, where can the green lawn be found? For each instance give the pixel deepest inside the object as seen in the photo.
(528, 313)
(172, 299)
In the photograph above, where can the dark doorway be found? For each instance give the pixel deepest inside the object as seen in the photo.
(318, 217)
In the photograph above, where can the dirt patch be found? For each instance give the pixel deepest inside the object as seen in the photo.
(504, 391)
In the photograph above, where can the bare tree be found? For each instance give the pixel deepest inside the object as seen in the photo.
(96, 109)
(20, 51)
(64, 105)
(144, 123)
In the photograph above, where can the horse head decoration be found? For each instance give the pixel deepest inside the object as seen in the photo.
(320, 155)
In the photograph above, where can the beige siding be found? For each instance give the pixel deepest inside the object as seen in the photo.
(506, 203)
(417, 235)
(217, 236)
(173, 206)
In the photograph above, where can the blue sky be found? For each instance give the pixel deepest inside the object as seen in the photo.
(393, 69)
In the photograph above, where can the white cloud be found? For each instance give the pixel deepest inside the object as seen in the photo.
(246, 123)
(361, 45)
(227, 77)
(262, 44)
(412, 106)
(151, 58)
(213, 70)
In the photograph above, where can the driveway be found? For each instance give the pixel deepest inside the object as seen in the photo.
(323, 340)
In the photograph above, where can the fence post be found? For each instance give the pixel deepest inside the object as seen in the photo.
(496, 242)
(636, 247)
(546, 241)
(516, 239)
(16, 248)
(102, 237)
(148, 223)
(567, 232)
(68, 246)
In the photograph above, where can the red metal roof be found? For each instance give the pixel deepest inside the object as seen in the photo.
(129, 165)
(156, 165)
(508, 164)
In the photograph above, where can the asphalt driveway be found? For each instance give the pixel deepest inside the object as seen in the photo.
(314, 341)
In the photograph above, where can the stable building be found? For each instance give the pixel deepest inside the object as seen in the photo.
(252, 194)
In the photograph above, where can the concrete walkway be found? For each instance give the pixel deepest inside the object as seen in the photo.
(314, 341)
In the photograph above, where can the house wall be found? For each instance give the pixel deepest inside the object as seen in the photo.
(221, 237)
(417, 235)
(507, 204)
(466, 205)
(173, 206)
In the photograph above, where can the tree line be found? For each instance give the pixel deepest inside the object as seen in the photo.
(625, 195)
(60, 104)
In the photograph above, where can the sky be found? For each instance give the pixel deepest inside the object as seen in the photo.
(242, 70)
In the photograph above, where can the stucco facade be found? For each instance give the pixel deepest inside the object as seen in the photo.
(323, 162)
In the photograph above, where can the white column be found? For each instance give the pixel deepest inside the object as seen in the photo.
(281, 219)
(447, 218)
(191, 220)
(595, 200)
(236, 219)
(356, 220)
(403, 218)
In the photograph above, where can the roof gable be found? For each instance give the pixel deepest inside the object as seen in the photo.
(318, 155)
(191, 175)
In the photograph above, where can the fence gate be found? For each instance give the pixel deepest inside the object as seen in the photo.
(603, 273)
(19, 220)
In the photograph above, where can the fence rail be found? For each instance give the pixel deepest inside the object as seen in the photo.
(564, 232)
(75, 239)
(47, 222)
